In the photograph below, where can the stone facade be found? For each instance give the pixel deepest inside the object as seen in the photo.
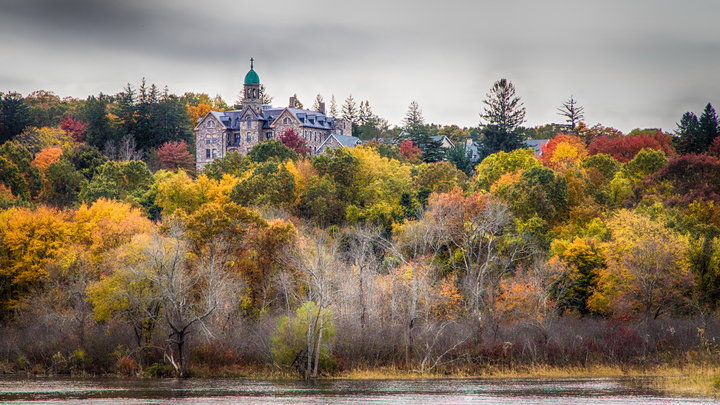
(218, 133)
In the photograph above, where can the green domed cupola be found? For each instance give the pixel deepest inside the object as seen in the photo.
(251, 77)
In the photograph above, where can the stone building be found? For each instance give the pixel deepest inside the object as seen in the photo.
(218, 132)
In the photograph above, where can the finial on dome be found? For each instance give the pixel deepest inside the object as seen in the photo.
(252, 60)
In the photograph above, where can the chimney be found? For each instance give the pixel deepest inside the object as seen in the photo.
(322, 107)
(292, 102)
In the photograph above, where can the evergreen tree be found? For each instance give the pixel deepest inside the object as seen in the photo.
(94, 112)
(316, 103)
(14, 116)
(461, 157)
(504, 113)
(350, 110)
(422, 135)
(265, 98)
(414, 118)
(708, 126)
(688, 134)
(297, 103)
(333, 107)
(503, 107)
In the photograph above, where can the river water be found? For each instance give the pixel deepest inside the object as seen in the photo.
(450, 391)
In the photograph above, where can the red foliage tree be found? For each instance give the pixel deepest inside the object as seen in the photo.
(292, 140)
(175, 155)
(410, 151)
(74, 127)
(625, 148)
(688, 177)
(714, 148)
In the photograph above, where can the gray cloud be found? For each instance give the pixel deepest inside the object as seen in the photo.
(639, 63)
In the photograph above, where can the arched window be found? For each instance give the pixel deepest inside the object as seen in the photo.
(248, 137)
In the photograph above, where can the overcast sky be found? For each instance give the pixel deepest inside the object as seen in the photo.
(630, 63)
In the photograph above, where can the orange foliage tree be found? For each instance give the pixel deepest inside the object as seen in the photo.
(46, 157)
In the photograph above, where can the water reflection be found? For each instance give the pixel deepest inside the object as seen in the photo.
(466, 391)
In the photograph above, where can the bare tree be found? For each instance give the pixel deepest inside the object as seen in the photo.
(316, 258)
(573, 113)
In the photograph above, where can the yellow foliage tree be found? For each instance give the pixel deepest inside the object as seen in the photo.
(647, 271)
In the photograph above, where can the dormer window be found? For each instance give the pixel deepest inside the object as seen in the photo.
(286, 120)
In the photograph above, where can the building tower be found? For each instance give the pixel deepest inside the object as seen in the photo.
(251, 87)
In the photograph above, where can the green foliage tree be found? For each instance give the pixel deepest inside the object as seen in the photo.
(20, 157)
(461, 157)
(497, 164)
(62, 184)
(233, 163)
(118, 180)
(269, 184)
(294, 338)
(99, 130)
(86, 159)
(539, 192)
(14, 116)
(271, 149)
(503, 115)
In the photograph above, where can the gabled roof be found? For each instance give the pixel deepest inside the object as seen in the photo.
(224, 121)
(344, 140)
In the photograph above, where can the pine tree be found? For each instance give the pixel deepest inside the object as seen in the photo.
(573, 113)
(504, 112)
(333, 107)
(264, 96)
(350, 110)
(316, 103)
(14, 116)
(99, 132)
(298, 103)
(414, 118)
(421, 135)
(708, 126)
(503, 108)
(688, 134)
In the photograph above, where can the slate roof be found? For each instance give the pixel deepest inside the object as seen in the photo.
(536, 144)
(307, 118)
(344, 140)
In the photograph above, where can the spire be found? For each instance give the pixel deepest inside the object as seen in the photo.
(251, 77)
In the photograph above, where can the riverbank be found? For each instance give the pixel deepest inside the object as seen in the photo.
(689, 380)
(674, 380)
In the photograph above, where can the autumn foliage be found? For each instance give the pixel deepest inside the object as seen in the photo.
(46, 157)
(74, 127)
(292, 140)
(175, 155)
(624, 148)
(563, 152)
(409, 151)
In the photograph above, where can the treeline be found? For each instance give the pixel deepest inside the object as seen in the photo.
(603, 249)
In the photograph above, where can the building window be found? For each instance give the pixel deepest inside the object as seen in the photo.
(268, 135)
(249, 124)
(286, 120)
(211, 124)
(214, 153)
(249, 137)
(237, 139)
(207, 153)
